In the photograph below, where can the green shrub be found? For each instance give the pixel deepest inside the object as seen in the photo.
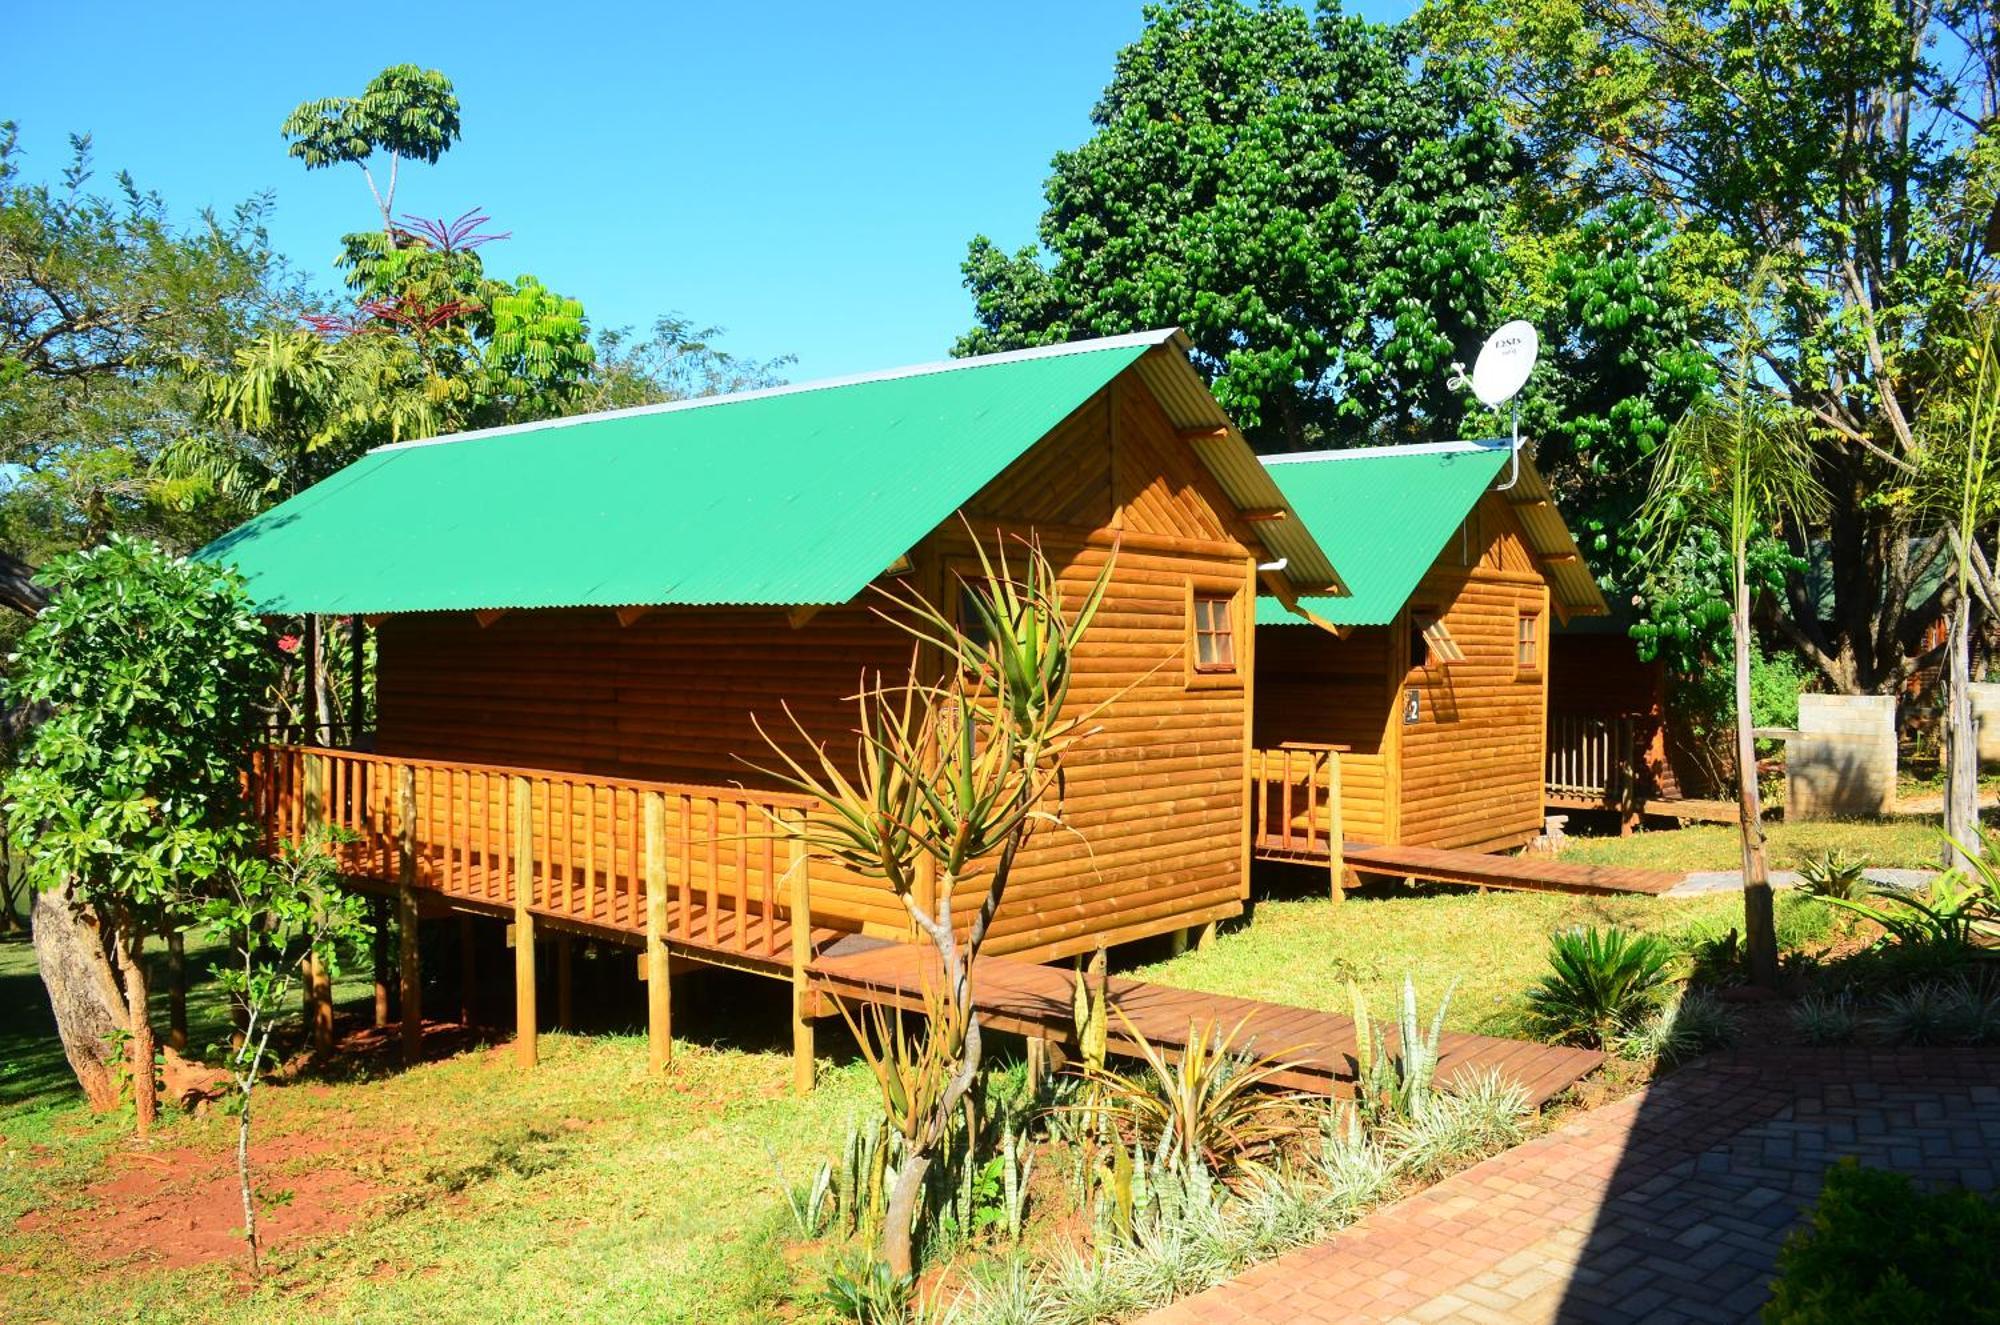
(1825, 1018)
(1600, 981)
(1688, 1026)
(1479, 1114)
(1880, 1252)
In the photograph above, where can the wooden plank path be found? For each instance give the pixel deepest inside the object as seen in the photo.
(1529, 873)
(1037, 1000)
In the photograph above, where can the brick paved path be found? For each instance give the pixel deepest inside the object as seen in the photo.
(1666, 1207)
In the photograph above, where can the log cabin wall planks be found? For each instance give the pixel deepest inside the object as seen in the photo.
(1156, 819)
(1468, 772)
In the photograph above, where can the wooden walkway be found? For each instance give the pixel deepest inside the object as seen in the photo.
(1038, 1000)
(1529, 873)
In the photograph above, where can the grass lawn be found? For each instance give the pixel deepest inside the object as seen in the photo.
(1907, 843)
(469, 1190)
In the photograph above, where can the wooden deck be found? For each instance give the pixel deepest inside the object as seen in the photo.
(1527, 873)
(1037, 1000)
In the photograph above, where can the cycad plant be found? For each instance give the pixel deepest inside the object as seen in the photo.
(1599, 982)
(953, 771)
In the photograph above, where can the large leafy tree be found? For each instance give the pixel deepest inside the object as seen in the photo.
(151, 673)
(1852, 147)
(105, 301)
(1333, 216)
(1312, 208)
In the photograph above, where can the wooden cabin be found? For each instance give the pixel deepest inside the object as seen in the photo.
(1425, 690)
(579, 623)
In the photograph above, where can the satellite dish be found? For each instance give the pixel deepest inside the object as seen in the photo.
(1504, 362)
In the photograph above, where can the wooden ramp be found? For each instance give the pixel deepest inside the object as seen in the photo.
(1529, 873)
(1037, 1000)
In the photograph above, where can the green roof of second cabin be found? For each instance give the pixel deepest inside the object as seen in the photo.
(790, 496)
(1385, 513)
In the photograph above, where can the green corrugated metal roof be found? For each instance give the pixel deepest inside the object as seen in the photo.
(1383, 515)
(798, 495)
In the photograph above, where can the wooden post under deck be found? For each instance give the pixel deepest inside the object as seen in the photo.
(659, 988)
(318, 981)
(526, 1051)
(802, 1027)
(468, 973)
(565, 982)
(411, 981)
(378, 945)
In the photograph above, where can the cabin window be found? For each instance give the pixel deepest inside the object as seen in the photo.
(1214, 632)
(1528, 642)
(1431, 640)
(965, 614)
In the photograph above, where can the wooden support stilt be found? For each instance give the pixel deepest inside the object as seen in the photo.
(526, 1023)
(378, 943)
(468, 972)
(1204, 935)
(1177, 942)
(802, 1027)
(1038, 1063)
(407, 924)
(565, 982)
(177, 997)
(659, 987)
(1336, 830)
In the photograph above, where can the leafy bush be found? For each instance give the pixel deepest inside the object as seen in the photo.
(1600, 982)
(1880, 1252)
(1923, 936)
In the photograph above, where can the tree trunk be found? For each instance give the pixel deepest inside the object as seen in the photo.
(18, 589)
(1760, 933)
(1961, 774)
(900, 1217)
(83, 989)
(129, 942)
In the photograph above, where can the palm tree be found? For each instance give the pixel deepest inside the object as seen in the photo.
(1740, 462)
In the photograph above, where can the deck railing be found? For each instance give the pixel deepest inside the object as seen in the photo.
(591, 850)
(1590, 759)
(1295, 800)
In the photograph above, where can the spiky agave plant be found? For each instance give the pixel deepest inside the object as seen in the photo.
(950, 777)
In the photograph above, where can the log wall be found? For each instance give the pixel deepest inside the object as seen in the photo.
(1155, 831)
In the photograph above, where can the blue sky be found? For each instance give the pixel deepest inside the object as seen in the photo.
(806, 175)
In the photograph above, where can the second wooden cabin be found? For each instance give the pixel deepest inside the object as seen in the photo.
(1429, 682)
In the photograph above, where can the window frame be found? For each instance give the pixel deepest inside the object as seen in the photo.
(1203, 590)
(1530, 618)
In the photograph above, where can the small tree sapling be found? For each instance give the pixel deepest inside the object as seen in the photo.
(274, 915)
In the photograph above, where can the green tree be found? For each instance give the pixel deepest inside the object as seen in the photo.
(1332, 216)
(125, 800)
(1740, 463)
(405, 113)
(274, 915)
(1313, 207)
(1850, 147)
(104, 299)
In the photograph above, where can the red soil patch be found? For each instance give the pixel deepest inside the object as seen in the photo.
(184, 1207)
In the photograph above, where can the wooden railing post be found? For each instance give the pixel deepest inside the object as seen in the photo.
(526, 1023)
(799, 870)
(1336, 831)
(659, 985)
(406, 913)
